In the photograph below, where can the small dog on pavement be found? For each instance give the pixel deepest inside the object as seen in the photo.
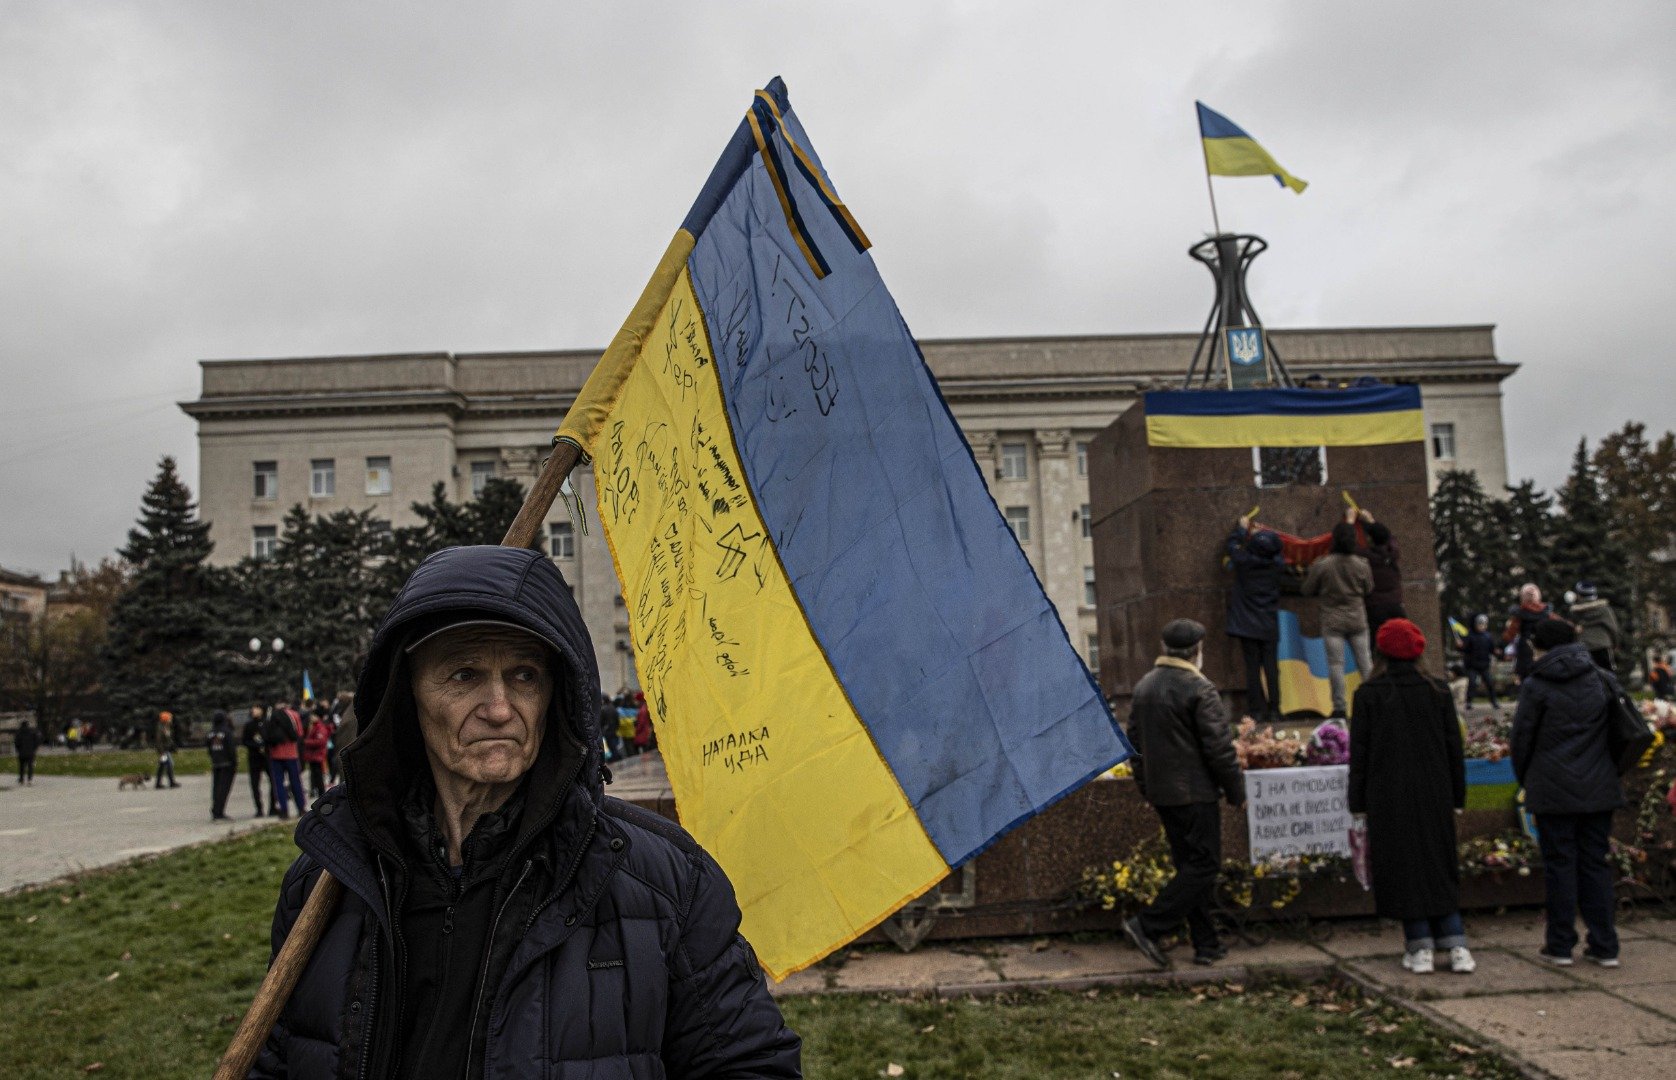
(133, 780)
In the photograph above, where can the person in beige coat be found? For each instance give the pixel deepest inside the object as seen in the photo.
(1342, 580)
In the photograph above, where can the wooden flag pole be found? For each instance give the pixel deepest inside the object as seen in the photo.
(305, 933)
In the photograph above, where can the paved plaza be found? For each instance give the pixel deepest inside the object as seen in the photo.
(65, 824)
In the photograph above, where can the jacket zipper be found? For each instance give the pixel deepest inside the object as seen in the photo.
(488, 950)
(372, 994)
(570, 874)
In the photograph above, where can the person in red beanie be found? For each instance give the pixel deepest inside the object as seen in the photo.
(1408, 777)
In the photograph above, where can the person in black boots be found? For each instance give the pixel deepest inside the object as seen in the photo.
(1561, 757)
(224, 762)
(26, 741)
(1253, 619)
(256, 754)
(1184, 760)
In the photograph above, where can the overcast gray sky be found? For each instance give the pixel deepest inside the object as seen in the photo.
(192, 180)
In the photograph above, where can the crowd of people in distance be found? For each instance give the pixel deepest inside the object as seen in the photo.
(625, 724)
(1406, 775)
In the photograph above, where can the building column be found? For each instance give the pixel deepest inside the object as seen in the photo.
(1061, 562)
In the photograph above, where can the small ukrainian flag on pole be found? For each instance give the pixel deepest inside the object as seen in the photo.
(308, 688)
(1229, 151)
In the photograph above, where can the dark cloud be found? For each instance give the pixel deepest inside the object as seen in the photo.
(211, 180)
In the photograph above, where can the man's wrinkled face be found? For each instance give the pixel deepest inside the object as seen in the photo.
(482, 696)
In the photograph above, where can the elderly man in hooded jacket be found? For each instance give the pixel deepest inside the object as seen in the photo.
(501, 917)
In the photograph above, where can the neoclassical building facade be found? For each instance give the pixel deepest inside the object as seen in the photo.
(377, 432)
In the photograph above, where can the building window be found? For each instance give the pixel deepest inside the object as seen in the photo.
(1015, 461)
(267, 479)
(1443, 442)
(561, 540)
(1087, 515)
(1287, 466)
(1082, 459)
(1088, 586)
(1094, 655)
(322, 478)
(379, 480)
(481, 473)
(1018, 519)
(264, 541)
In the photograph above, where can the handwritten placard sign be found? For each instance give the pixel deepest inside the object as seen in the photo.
(1300, 811)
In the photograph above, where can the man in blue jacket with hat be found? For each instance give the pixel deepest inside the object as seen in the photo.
(501, 916)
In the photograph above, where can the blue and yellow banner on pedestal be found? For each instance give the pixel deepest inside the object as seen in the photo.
(857, 680)
(1211, 419)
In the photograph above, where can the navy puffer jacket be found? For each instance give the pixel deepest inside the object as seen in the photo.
(1254, 599)
(616, 939)
(1559, 736)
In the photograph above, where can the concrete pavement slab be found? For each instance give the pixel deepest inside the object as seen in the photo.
(1650, 960)
(1626, 1063)
(1659, 997)
(1578, 1020)
(1359, 940)
(1281, 952)
(1499, 972)
(65, 824)
(921, 970)
(808, 981)
(1023, 961)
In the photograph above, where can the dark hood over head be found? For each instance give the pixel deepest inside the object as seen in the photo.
(515, 585)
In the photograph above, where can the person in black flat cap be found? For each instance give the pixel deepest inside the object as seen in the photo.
(1184, 761)
(501, 916)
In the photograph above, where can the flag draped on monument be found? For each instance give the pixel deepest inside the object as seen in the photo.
(857, 680)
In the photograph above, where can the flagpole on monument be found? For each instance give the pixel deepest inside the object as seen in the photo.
(293, 956)
(1214, 220)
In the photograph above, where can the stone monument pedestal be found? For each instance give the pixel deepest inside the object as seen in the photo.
(1163, 514)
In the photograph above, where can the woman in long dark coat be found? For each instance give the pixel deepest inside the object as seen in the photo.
(1407, 775)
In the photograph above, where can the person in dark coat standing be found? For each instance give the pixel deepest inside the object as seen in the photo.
(224, 763)
(1184, 762)
(1253, 620)
(256, 758)
(27, 742)
(1385, 601)
(501, 917)
(1522, 622)
(1597, 626)
(1408, 775)
(1561, 757)
(1478, 653)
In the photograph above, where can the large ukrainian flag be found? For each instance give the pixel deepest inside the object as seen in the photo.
(1362, 416)
(1229, 151)
(857, 680)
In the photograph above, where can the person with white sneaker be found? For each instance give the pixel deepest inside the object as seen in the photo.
(1408, 777)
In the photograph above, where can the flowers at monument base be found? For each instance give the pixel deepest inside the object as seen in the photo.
(1329, 744)
(1661, 714)
(1263, 747)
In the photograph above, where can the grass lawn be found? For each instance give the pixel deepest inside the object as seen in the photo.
(189, 762)
(146, 969)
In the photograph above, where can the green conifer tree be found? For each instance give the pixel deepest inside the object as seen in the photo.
(1473, 557)
(168, 627)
